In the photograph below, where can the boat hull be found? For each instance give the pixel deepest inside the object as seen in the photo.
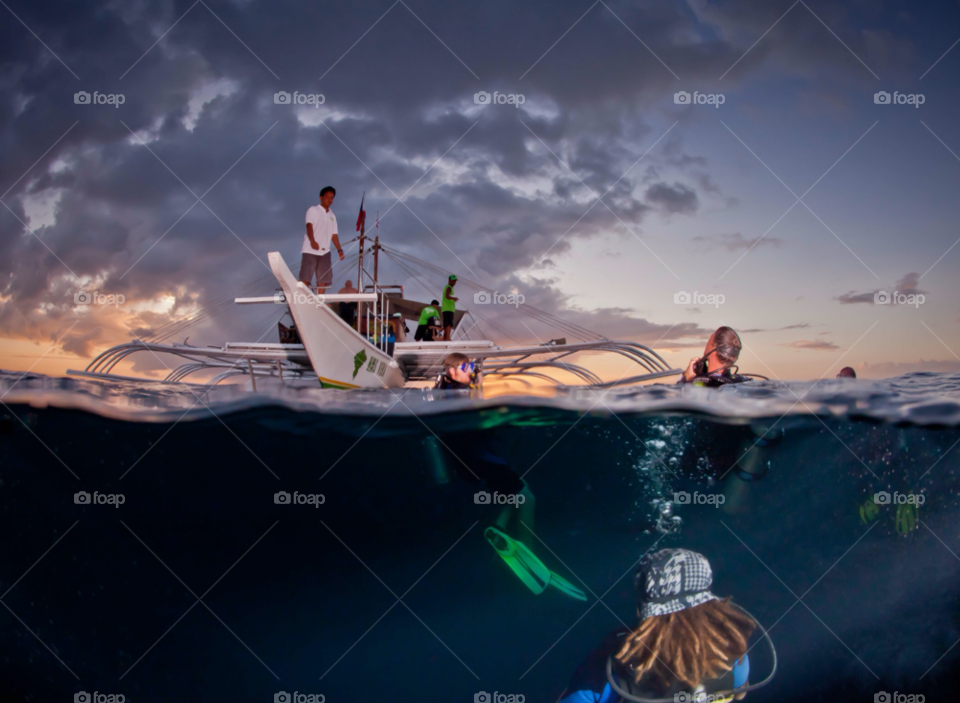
(340, 357)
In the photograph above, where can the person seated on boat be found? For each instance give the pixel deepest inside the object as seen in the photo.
(427, 313)
(459, 373)
(399, 327)
(847, 372)
(387, 330)
(434, 330)
(348, 311)
(315, 260)
(448, 307)
(717, 367)
(688, 640)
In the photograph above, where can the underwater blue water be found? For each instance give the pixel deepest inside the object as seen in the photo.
(201, 587)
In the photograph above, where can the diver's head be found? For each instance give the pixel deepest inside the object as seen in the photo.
(459, 368)
(672, 580)
(686, 633)
(847, 372)
(722, 350)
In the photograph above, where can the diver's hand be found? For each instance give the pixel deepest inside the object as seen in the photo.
(689, 374)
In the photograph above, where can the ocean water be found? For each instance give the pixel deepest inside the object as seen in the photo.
(200, 586)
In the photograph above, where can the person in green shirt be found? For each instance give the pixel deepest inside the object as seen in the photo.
(423, 333)
(448, 307)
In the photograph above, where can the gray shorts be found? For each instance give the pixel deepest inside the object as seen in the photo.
(318, 265)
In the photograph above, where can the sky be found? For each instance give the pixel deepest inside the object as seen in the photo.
(646, 170)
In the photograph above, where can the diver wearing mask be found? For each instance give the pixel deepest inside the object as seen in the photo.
(475, 462)
(459, 373)
(717, 367)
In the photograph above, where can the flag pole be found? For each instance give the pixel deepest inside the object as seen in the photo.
(360, 259)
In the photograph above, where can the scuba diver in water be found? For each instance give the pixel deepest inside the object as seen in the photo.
(459, 373)
(717, 367)
(475, 463)
(690, 645)
(741, 452)
(847, 372)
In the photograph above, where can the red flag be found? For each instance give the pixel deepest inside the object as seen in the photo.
(362, 217)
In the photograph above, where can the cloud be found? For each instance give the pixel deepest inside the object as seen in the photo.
(495, 201)
(674, 199)
(736, 241)
(811, 345)
(799, 326)
(909, 284)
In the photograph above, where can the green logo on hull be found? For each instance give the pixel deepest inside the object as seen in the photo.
(358, 359)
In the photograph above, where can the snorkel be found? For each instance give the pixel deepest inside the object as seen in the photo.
(473, 370)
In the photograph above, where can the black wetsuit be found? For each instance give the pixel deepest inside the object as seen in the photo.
(716, 380)
(471, 459)
(718, 447)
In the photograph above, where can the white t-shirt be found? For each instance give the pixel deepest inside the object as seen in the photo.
(324, 227)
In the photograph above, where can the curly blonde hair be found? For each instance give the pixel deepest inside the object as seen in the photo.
(690, 646)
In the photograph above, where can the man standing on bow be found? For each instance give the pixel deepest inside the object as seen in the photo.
(315, 260)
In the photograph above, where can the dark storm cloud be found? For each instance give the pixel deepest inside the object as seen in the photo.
(497, 204)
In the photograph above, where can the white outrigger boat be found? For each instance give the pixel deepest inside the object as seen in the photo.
(335, 354)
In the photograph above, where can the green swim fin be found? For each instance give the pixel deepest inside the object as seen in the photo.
(528, 568)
